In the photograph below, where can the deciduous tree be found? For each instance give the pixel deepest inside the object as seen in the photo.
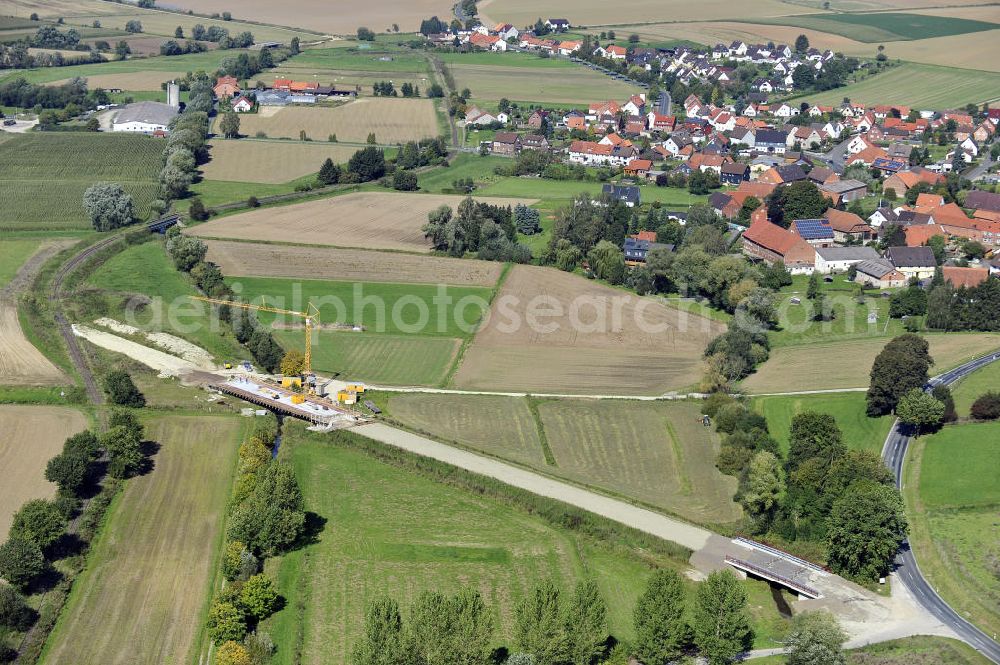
(586, 623)
(865, 529)
(661, 634)
(21, 562)
(258, 597)
(539, 628)
(816, 639)
(38, 521)
(722, 628)
(384, 641)
(920, 410)
(108, 205)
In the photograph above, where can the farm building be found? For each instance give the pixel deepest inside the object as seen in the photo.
(144, 117)
(880, 274)
(771, 243)
(817, 232)
(967, 277)
(848, 226)
(839, 259)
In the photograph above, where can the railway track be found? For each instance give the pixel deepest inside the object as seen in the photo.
(76, 355)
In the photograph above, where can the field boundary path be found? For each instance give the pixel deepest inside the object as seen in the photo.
(866, 616)
(907, 570)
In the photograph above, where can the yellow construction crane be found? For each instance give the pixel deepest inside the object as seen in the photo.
(310, 316)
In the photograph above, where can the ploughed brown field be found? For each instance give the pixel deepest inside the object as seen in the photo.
(369, 220)
(586, 338)
(32, 436)
(242, 259)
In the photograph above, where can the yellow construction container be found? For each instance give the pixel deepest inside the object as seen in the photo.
(347, 397)
(298, 399)
(291, 382)
(358, 388)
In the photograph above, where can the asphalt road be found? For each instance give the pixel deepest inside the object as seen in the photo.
(907, 570)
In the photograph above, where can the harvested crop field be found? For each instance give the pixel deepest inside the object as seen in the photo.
(595, 12)
(376, 14)
(976, 52)
(142, 596)
(838, 365)
(501, 426)
(32, 436)
(657, 452)
(370, 220)
(137, 81)
(240, 259)
(271, 162)
(20, 362)
(711, 32)
(553, 332)
(392, 121)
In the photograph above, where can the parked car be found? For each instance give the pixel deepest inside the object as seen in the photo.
(9, 122)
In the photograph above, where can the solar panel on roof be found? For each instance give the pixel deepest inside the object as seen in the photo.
(813, 229)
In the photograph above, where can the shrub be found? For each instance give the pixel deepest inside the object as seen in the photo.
(987, 407)
(121, 390)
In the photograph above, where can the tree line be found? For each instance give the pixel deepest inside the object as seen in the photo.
(188, 254)
(475, 227)
(266, 518)
(552, 627)
(819, 494)
(38, 534)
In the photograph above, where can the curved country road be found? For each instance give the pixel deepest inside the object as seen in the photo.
(907, 569)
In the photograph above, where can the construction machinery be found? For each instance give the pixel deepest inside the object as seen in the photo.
(310, 317)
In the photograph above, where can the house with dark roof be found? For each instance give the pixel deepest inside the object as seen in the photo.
(627, 194)
(636, 249)
(916, 262)
(506, 144)
(733, 173)
(771, 140)
(879, 273)
(980, 200)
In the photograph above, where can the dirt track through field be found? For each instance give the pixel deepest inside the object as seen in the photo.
(586, 338)
(20, 362)
(32, 435)
(241, 259)
(369, 220)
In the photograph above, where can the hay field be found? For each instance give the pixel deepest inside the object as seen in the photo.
(392, 120)
(370, 220)
(839, 365)
(656, 452)
(392, 531)
(923, 86)
(648, 348)
(952, 506)
(32, 436)
(237, 259)
(596, 12)
(271, 162)
(142, 596)
(501, 426)
(564, 85)
(379, 15)
(392, 360)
